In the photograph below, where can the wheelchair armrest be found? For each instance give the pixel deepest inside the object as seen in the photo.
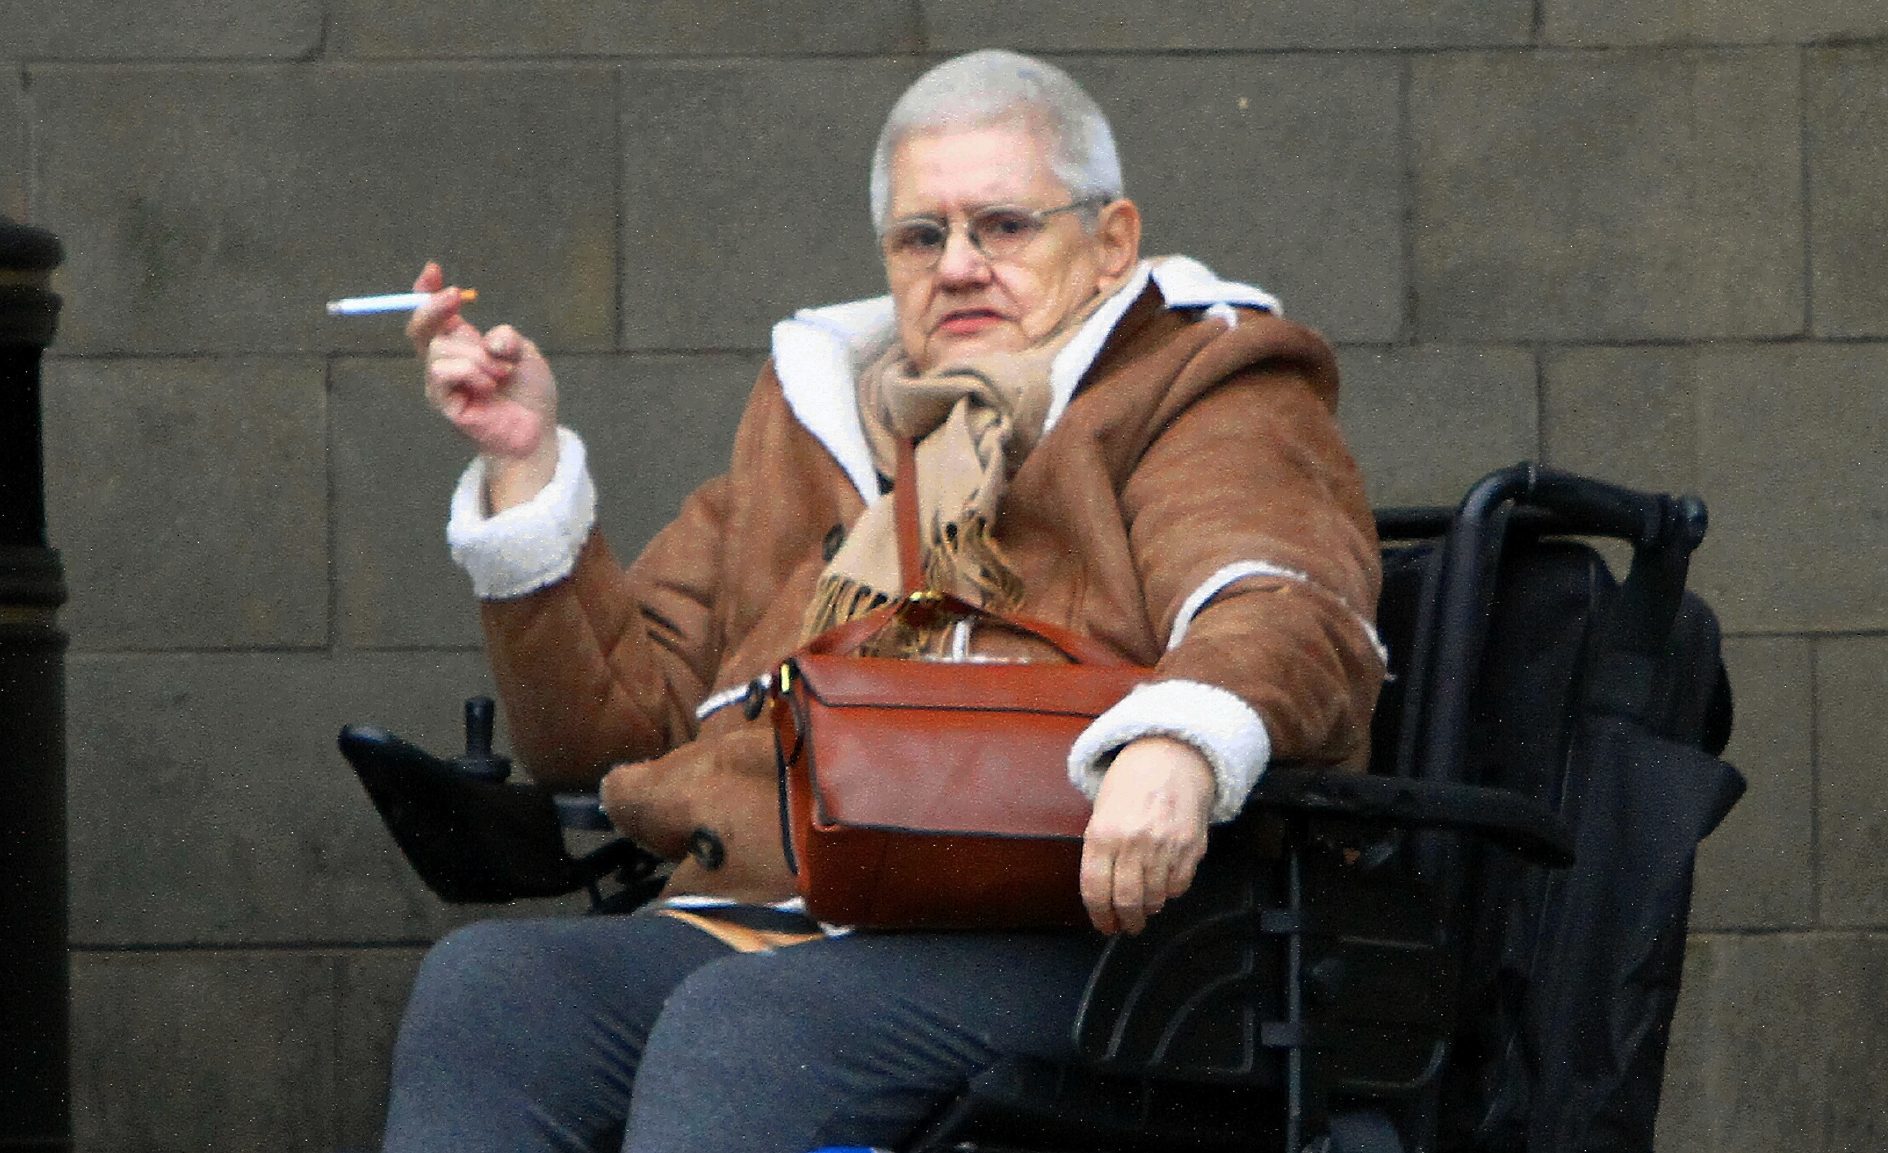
(474, 838)
(1500, 816)
(581, 811)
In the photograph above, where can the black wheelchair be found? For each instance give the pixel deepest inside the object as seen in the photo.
(1474, 947)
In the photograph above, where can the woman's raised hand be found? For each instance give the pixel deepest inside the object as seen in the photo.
(495, 387)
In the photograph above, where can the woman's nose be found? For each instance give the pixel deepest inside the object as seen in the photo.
(962, 261)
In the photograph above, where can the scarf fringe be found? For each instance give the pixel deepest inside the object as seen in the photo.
(967, 554)
(955, 559)
(837, 599)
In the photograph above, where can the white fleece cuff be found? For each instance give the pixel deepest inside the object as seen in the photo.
(1226, 731)
(531, 545)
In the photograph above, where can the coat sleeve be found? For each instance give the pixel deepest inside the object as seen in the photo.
(596, 663)
(1258, 559)
(607, 663)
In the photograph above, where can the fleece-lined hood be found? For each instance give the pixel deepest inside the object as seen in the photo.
(819, 352)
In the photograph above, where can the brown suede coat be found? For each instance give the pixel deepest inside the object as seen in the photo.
(1190, 445)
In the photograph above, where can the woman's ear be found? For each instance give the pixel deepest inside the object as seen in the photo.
(1118, 234)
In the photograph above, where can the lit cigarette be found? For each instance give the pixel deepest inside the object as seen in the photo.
(391, 302)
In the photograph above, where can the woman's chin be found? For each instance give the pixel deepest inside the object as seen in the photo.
(946, 347)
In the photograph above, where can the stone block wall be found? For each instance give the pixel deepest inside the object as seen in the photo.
(1637, 238)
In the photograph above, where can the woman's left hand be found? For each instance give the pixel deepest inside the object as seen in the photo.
(1147, 833)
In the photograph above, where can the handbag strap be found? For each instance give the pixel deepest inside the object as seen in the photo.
(905, 514)
(1078, 648)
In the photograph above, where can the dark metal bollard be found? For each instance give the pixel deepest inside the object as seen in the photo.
(35, 1113)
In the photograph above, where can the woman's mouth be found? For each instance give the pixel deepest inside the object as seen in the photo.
(965, 321)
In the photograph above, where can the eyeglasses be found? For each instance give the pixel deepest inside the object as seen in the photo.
(1000, 232)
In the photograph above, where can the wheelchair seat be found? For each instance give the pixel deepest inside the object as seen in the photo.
(1476, 946)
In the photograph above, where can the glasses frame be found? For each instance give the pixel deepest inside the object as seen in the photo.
(1039, 215)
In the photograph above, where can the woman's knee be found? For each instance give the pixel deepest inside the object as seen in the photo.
(757, 1054)
(478, 960)
(567, 980)
(477, 976)
(745, 995)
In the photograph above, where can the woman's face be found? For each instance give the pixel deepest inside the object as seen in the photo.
(967, 303)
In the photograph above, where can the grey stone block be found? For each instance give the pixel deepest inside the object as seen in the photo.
(216, 209)
(188, 1051)
(189, 500)
(1285, 172)
(1758, 870)
(1127, 26)
(1778, 1044)
(1425, 423)
(1605, 196)
(1852, 801)
(371, 996)
(1855, 969)
(1846, 111)
(656, 426)
(1628, 415)
(1598, 23)
(1786, 437)
(1739, 1074)
(13, 158)
(395, 464)
(744, 194)
(602, 28)
(209, 805)
(165, 29)
(1769, 436)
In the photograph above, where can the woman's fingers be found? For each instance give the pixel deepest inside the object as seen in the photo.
(495, 386)
(1131, 880)
(430, 279)
(439, 314)
(505, 343)
(475, 405)
(466, 345)
(455, 374)
(1097, 880)
(1185, 864)
(479, 406)
(1131, 891)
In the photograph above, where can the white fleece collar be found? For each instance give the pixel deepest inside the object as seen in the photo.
(819, 352)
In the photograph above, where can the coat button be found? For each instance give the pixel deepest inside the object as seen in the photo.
(707, 849)
(835, 540)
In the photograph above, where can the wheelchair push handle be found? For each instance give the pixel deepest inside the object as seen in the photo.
(1585, 506)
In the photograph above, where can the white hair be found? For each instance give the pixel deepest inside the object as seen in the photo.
(992, 86)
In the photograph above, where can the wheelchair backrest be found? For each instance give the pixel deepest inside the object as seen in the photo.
(1573, 974)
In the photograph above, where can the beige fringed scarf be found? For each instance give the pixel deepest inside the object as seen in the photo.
(975, 421)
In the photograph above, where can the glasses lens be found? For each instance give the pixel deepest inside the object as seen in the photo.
(1003, 232)
(916, 241)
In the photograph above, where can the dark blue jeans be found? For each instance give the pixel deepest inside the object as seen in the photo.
(645, 1034)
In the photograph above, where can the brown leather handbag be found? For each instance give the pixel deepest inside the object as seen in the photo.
(926, 794)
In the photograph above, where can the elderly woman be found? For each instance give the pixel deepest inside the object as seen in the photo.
(1135, 449)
